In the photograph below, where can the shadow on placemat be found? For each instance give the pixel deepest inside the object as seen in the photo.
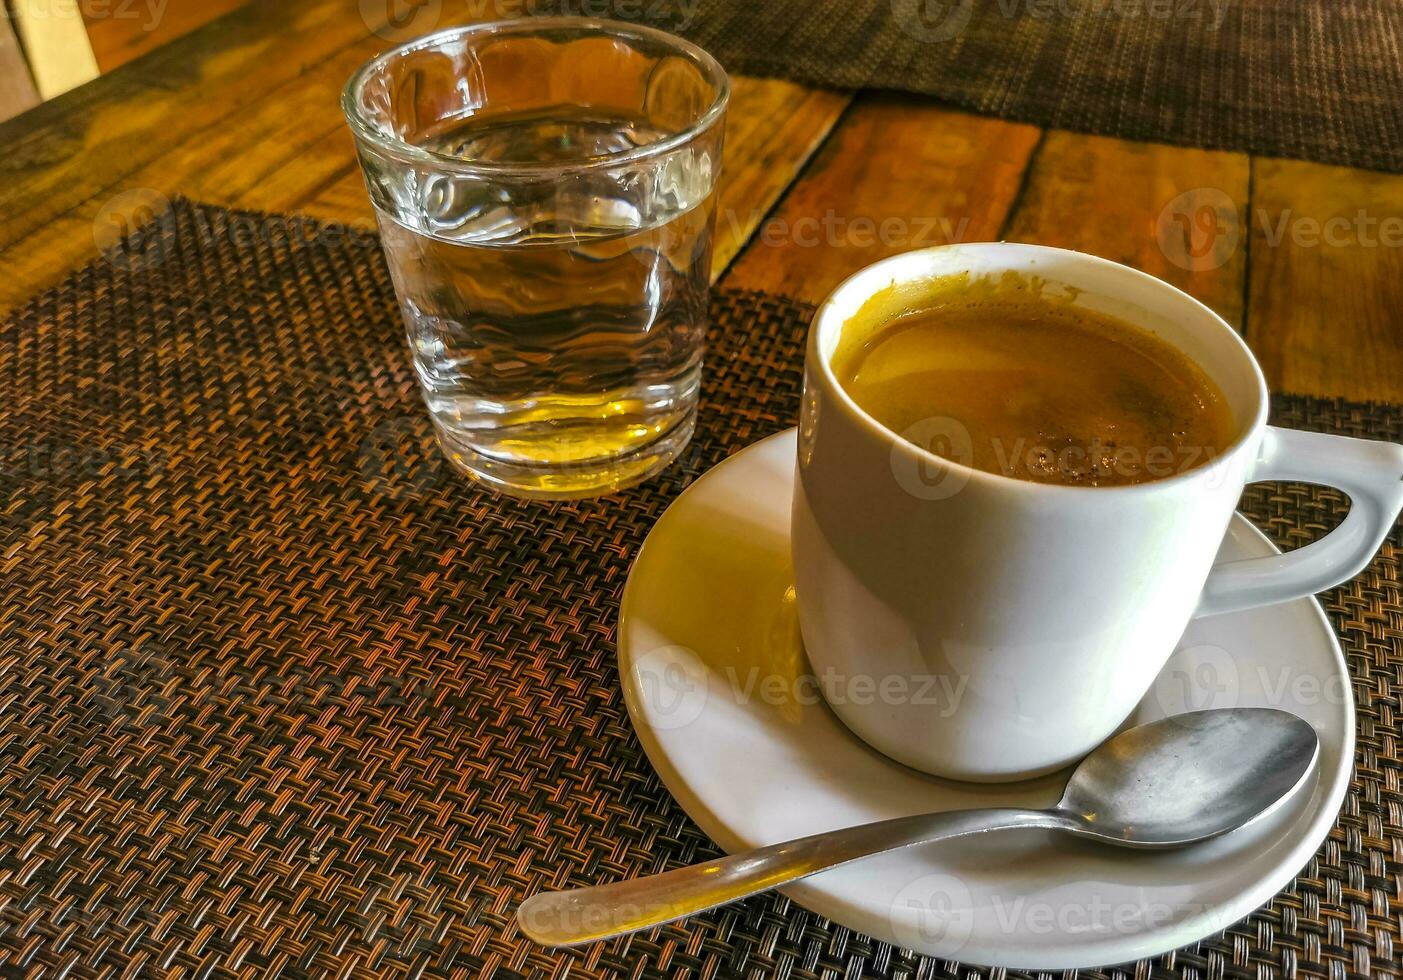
(280, 693)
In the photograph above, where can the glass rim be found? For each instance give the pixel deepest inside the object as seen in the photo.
(407, 152)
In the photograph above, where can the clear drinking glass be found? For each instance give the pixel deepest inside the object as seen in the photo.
(545, 191)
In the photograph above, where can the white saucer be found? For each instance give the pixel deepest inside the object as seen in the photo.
(709, 608)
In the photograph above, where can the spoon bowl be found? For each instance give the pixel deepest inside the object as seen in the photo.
(1189, 777)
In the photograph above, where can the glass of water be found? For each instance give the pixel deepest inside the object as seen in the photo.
(545, 191)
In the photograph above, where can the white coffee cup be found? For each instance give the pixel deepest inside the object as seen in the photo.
(1001, 628)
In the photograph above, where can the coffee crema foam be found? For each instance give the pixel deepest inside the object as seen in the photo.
(1047, 390)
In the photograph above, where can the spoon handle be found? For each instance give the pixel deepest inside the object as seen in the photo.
(583, 915)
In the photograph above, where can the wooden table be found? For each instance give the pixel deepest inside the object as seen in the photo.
(243, 113)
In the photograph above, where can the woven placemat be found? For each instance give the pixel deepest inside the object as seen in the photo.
(280, 693)
(1313, 79)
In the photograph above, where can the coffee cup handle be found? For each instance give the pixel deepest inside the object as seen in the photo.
(1370, 472)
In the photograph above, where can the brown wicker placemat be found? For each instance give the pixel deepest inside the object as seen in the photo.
(1313, 79)
(279, 693)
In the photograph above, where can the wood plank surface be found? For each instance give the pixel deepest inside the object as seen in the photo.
(289, 150)
(97, 137)
(124, 30)
(1174, 212)
(1325, 311)
(208, 116)
(772, 129)
(898, 173)
(292, 152)
(218, 165)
